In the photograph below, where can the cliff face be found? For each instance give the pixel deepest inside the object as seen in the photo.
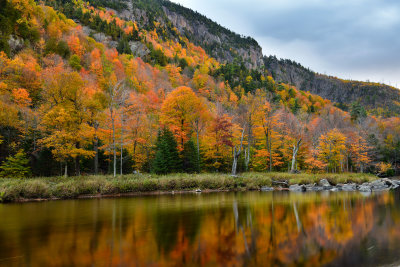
(219, 42)
(219, 45)
(370, 95)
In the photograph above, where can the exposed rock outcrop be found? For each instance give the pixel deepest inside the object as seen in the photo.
(224, 48)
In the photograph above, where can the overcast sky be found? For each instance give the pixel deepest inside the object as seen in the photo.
(351, 39)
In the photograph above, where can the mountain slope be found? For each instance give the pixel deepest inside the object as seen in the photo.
(217, 41)
(379, 98)
(228, 47)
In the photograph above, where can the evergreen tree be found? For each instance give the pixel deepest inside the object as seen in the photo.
(123, 46)
(16, 166)
(357, 111)
(167, 156)
(190, 158)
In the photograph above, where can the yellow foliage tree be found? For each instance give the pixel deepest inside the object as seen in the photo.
(64, 117)
(332, 147)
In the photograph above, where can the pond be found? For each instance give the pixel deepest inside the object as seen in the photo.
(225, 229)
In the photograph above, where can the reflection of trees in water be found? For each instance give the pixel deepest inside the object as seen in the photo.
(169, 222)
(242, 229)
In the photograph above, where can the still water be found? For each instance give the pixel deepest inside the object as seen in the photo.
(225, 229)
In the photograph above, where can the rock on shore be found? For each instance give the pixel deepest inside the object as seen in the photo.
(384, 184)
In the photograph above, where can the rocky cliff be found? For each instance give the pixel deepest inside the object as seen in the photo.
(220, 43)
(383, 99)
(217, 41)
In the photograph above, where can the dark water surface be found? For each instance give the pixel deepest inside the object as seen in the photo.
(225, 229)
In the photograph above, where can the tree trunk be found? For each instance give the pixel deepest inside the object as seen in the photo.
(66, 170)
(198, 151)
(122, 158)
(270, 150)
(236, 154)
(96, 156)
(234, 164)
(295, 151)
(77, 162)
(247, 153)
(77, 166)
(247, 158)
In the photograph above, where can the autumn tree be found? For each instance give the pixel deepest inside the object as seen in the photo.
(115, 88)
(249, 108)
(294, 127)
(217, 144)
(332, 148)
(64, 117)
(184, 113)
(267, 122)
(356, 151)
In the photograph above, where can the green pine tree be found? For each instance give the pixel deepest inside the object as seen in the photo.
(167, 156)
(190, 157)
(16, 166)
(357, 111)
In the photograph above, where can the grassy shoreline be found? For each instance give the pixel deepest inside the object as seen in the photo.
(14, 190)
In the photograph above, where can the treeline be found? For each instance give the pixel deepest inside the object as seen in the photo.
(71, 105)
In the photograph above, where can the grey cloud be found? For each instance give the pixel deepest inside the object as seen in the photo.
(356, 39)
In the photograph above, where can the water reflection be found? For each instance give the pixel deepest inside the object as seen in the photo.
(226, 229)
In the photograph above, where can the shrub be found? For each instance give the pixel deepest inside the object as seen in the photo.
(16, 166)
(75, 62)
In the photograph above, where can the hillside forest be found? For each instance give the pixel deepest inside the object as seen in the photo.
(73, 105)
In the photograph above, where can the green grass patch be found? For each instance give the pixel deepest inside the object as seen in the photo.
(72, 187)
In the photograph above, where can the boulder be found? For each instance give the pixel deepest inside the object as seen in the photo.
(365, 187)
(309, 187)
(380, 185)
(297, 188)
(267, 189)
(139, 49)
(397, 182)
(16, 43)
(388, 182)
(318, 188)
(313, 187)
(349, 187)
(324, 183)
(394, 187)
(100, 37)
(113, 44)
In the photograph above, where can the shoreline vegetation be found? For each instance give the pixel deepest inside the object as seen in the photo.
(52, 188)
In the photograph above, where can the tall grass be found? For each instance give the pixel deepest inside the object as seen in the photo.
(12, 189)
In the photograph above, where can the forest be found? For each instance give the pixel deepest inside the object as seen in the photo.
(71, 105)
